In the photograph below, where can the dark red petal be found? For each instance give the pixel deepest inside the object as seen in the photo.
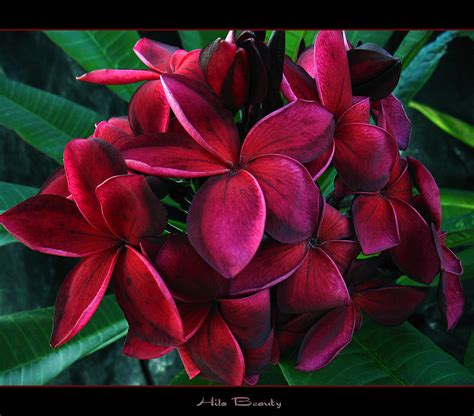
(52, 224)
(332, 71)
(88, 163)
(389, 305)
(302, 130)
(248, 318)
(187, 275)
(357, 113)
(173, 155)
(333, 225)
(450, 299)
(146, 301)
(216, 353)
(451, 262)
(112, 134)
(256, 359)
(234, 91)
(316, 286)
(149, 111)
(318, 166)
(187, 65)
(155, 55)
(272, 263)
(327, 338)
(375, 223)
(287, 184)
(191, 368)
(203, 116)
(416, 254)
(399, 186)
(137, 347)
(55, 184)
(342, 252)
(193, 316)
(306, 61)
(118, 76)
(226, 221)
(80, 294)
(364, 156)
(121, 123)
(131, 209)
(297, 83)
(428, 188)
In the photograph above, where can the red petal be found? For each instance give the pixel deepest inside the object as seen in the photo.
(332, 74)
(146, 301)
(55, 184)
(173, 155)
(450, 299)
(191, 368)
(285, 184)
(155, 55)
(451, 262)
(188, 65)
(256, 359)
(357, 113)
(319, 165)
(272, 263)
(203, 116)
(216, 352)
(52, 224)
(316, 286)
(248, 318)
(118, 76)
(226, 221)
(131, 209)
(327, 338)
(375, 223)
(302, 130)
(306, 61)
(149, 111)
(333, 225)
(112, 134)
(342, 252)
(399, 186)
(193, 316)
(297, 83)
(416, 254)
(364, 156)
(121, 123)
(88, 163)
(80, 295)
(137, 347)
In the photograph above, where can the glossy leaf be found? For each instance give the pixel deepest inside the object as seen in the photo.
(460, 230)
(294, 38)
(455, 202)
(411, 45)
(379, 37)
(196, 39)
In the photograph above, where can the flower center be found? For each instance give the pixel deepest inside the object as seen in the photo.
(313, 242)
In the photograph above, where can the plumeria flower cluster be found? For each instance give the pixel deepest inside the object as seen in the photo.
(266, 265)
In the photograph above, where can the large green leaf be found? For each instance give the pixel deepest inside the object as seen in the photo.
(451, 125)
(420, 69)
(385, 356)
(379, 37)
(197, 39)
(469, 357)
(101, 49)
(44, 120)
(411, 45)
(456, 202)
(293, 39)
(460, 230)
(25, 355)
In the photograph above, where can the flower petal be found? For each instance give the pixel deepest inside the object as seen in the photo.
(52, 224)
(451, 262)
(141, 349)
(306, 61)
(146, 301)
(342, 252)
(327, 338)
(302, 130)
(285, 184)
(149, 111)
(203, 116)
(319, 165)
(188, 65)
(216, 352)
(193, 316)
(450, 299)
(118, 76)
(55, 184)
(256, 359)
(357, 113)
(112, 134)
(88, 163)
(316, 286)
(333, 225)
(375, 223)
(297, 83)
(191, 368)
(131, 209)
(155, 55)
(226, 221)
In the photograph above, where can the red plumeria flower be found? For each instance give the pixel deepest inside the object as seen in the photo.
(110, 216)
(226, 339)
(148, 110)
(254, 186)
(450, 292)
(362, 154)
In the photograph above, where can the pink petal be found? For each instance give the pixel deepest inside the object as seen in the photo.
(141, 349)
(364, 156)
(80, 294)
(333, 225)
(131, 209)
(297, 83)
(173, 155)
(357, 113)
(155, 55)
(375, 223)
(149, 111)
(118, 76)
(52, 224)
(226, 221)
(191, 368)
(302, 130)
(342, 252)
(316, 286)
(327, 338)
(332, 74)
(121, 123)
(55, 184)
(88, 163)
(450, 299)
(306, 61)
(272, 263)
(216, 352)
(285, 184)
(112, 134)
(319, 165)
(146, 301)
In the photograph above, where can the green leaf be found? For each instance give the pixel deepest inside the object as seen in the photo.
(25, 355)
(420, 69)
(197, 39)
(454, 127)
(456, 202)
(293, 39)
(467, 33)
(411, 45)
(469, 357)
(381, 355)
(460, 230)
(45, 121)
(379, 37)
(326, 181)
(101, 49)
(182, 379)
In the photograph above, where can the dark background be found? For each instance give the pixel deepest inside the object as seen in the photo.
(30, 280)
